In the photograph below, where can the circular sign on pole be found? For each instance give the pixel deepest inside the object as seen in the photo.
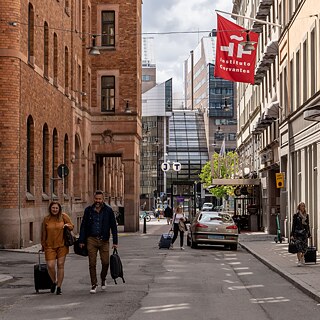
(63, 170)
(176, 166)
(165, 166)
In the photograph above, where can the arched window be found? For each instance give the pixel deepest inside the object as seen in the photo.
(46, 50)
(30, 155)
(66, 162)
(45, 159)
(55, 59)
(54, 161)
(31, 34)
(77, 169)
(66, 70)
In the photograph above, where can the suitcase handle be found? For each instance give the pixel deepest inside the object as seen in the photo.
(39, 255)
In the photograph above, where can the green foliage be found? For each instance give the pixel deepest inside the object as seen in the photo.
(220, 167)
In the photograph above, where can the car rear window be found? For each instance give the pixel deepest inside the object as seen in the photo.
(215, 217)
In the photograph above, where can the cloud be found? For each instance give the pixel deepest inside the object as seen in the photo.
(183, 16)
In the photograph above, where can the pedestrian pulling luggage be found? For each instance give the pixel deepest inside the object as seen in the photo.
(53, 245)
(300, 232)
(179, 226)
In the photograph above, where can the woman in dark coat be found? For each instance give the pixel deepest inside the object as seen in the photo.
(301, 231)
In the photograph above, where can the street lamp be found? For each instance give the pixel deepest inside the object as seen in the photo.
(94, 50)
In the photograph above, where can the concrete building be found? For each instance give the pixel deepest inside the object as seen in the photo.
(156, 110)
(149, 75)
(61, 105)
(299, 86)
(258, 109)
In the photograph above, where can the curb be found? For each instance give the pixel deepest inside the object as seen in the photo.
(298, 284)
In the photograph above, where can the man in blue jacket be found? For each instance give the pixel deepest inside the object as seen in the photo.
(97, 221)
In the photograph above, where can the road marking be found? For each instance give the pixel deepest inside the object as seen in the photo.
(269, 300)
(168, 307)
(241, 268)
(244, 273)
(230, 281)
(246, 287)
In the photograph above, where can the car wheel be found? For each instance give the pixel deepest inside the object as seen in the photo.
(194, 245)
(234, 247)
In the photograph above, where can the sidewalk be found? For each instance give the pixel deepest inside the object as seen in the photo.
(278, 259)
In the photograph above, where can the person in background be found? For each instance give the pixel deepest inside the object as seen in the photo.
(301, 231)
(178, 226)
(52, 242)
(97, 221)
(168, 213)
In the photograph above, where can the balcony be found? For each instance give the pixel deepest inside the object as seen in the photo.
(268, 57)
(263, 11)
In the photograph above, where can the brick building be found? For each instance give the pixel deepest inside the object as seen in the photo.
(61, 105)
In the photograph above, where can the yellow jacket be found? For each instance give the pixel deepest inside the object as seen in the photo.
(52, 231)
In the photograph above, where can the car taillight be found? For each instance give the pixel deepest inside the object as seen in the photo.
(200, 225)
(232, 227)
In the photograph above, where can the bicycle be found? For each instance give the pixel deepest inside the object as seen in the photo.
(146, 215)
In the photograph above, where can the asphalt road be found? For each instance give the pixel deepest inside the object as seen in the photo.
(205, 283)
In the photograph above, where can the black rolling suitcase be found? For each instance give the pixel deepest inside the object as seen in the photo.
(165, 240)
(311, 255)
(42, 280)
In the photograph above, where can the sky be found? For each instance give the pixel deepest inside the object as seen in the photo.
(178, 16)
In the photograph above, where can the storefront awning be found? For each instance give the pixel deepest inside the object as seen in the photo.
(234, 182)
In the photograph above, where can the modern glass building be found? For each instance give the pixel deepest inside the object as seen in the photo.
(187, 146)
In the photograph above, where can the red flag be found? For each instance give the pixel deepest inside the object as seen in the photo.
(232, 61)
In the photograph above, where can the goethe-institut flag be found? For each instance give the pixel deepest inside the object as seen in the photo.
(232, 61)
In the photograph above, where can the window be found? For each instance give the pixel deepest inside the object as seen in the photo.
(46, 50)
(45, 159)
(66, 70)
(298, 84)
(107, 93)
(304, 72)
(108, 28)
(313, 62)
(55, 59)
(66, 161)
(54, 160)
(30, 154)
(31, 34)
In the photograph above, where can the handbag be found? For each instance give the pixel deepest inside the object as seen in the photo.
(69, 238)
(80, 251)
(292, 247)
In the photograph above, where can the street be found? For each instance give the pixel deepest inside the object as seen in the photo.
(207, 283)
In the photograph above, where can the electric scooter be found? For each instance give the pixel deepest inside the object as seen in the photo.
(278, 238)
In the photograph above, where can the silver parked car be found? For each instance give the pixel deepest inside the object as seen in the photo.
(209, 227)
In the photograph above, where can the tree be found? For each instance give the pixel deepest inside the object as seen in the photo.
(221, 167)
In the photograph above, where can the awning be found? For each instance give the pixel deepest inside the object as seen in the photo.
(312, 113)
(234, 182)
(273, 110)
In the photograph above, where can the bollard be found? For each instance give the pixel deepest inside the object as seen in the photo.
(144, 224)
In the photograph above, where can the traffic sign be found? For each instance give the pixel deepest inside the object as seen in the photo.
(165, 166)
(63, 170)
(176, 166)
(280, 180)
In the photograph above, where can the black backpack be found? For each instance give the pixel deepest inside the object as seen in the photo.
(116, 269)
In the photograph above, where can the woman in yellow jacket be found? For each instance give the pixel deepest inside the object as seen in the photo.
(52, 242)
